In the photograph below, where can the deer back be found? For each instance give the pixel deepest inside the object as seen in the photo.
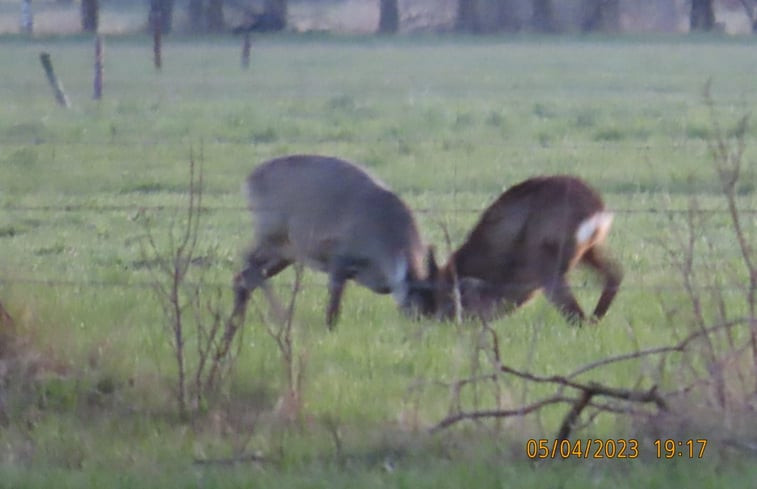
(315, 208)
(526, 241)
(537, 213)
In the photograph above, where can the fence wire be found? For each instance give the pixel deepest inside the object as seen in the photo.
(148, 284)
(241, 208)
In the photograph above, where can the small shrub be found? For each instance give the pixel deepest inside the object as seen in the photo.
(23, 157)
(698, 131)
(543, 111)
(609, 134)
(267, 135)
(495, 119)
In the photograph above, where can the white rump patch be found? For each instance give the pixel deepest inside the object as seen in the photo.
(594, 228)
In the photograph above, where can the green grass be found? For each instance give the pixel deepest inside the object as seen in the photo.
(446, 122)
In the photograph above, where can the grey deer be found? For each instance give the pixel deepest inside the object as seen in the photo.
(331, 215)
(526, 242)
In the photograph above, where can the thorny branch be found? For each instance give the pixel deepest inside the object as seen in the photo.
(729, 162)
(587, 391)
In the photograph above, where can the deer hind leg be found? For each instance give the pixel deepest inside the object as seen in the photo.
(612, 275)
(558, 293)
(259, 265)
(553, 267)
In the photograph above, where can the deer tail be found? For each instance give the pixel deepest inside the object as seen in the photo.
(595, 228)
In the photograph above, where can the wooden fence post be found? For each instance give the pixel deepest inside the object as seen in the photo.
(246, 44)
(157, 39)
(97, 85)
(60, 95)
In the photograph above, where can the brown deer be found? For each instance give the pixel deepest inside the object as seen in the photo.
(527, 241)
(332, 216)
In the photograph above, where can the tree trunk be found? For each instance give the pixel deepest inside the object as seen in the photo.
(195, 11)
(467, 16)
(507, 19)
(543, 19)
(277, 10)
(161, 11)
(750, 13)
(601, 15)
(389, 17)
(214, 16)
(702, 16)
(90, 15)
(27, 17)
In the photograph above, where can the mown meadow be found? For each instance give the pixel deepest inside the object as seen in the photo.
(87, 379)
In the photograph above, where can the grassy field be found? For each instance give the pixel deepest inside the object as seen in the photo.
(447, 123)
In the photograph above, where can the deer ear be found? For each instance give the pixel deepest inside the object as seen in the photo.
(433, 269)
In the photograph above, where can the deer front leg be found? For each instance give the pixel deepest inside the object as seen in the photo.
(341, 269)
(336, 289)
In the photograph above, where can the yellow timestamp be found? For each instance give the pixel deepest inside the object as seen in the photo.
(671, 448)
(580, 448)
(619, 448)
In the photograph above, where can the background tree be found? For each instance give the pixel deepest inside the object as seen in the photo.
(196, 14)
(601, 15)
(702, 15)
(276, 12)
(467, 19)
(90, 15)
(543, 19)
(214, 16)
(749, 9)
(161, 11)
(272, 19)
(479, 16)
(506, 17)
(27, 17)
(389, 17)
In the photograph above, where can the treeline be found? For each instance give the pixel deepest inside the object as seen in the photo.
(470, 16)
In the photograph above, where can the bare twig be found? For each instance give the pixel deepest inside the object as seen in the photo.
(293, 363)
(5, 317)
(573, 414)
(456, 297)
(500, 413)
(678, 347)
(243, 458)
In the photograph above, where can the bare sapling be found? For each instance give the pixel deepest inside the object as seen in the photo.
(721, 290)
(293, 360)
(728, 159)
(194, 319)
